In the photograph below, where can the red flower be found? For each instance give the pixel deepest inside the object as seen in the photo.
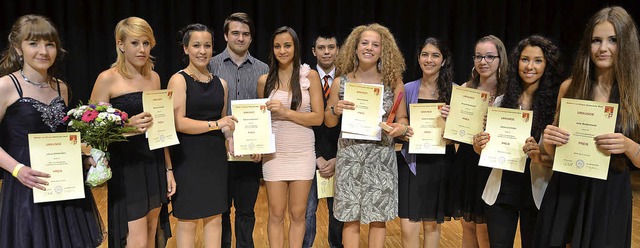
(65, 119)
(89, 115)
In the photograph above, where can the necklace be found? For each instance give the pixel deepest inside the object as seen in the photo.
(40, 85)
(195, 77)
(430, 89)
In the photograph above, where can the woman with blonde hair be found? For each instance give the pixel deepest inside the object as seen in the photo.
(588, 212)
(142, 179)
(366, 176)
(34, 101)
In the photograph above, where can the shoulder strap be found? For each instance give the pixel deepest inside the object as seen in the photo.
(16, 84)
(58, 85)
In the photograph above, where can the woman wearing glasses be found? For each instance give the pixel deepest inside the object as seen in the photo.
(489, 74)
(534, 80)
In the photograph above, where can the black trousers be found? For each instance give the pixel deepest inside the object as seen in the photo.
(242, 185)
(502, 222)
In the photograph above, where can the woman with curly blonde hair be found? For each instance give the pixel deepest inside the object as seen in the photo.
(366, 176)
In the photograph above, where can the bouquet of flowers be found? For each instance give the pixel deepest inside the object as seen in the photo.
(99, 125)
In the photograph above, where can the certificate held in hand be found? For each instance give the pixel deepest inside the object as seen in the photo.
(253, 133)
(466, 117)
(427, 124)
(509, 129)
(159, 103)
(584, 120)
(59, 155)
(364, 119)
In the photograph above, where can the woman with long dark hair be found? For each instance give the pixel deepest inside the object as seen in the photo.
(588, 212)
(295, 103)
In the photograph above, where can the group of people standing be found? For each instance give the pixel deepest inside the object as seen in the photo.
(373, 183)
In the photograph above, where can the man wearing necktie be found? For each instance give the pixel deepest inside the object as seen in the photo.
(325, 49)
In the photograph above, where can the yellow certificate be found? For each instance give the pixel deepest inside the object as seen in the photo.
(159, 103)
(367, 114)
(509, 129)
(427, 124)
(325, 186)
(59, 155)
(468, 107)
(253, 133)
(584, 120)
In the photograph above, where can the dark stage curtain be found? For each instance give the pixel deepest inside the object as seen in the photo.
(86, 27)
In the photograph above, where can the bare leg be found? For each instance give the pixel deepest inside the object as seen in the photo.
(212, 231)
(186, 233)
(431, 234)
(469, 239)
(277, 198)
(410, 233)
(142, 232)
(483, 235)
(298, 193)
(377, 234)
(351, 234)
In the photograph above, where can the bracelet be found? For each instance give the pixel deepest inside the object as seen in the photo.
(333, 111)
(638, 151)
(218, 126)
(405, 129)
(16, 169)
(169, 169)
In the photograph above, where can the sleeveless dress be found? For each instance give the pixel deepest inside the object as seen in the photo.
(366, 176)
(72, 223)
(586, 212)
(422, 197)
(139, 181)
(295, 156)
(200, 161)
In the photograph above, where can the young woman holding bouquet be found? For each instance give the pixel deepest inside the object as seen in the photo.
(201, 158)
(142, 179)
(33, 101)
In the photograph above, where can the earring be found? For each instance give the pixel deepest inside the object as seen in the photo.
(379, 65)
(473, 75)
(20, 59)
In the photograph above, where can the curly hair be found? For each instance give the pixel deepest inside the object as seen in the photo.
(474, 81)
(625, 88)
(544, 99)
(445, 74)
(391, 59)
(29, 27)
(273, 77)
(133, 27)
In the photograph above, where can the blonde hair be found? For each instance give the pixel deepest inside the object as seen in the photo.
(29, 27)
(133, 27)
(391, 59)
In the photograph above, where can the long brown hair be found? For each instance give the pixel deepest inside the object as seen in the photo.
(625, 88)
(503, 67)
(272, 77)
(29, 27)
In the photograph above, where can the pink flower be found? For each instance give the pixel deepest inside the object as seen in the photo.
(304, 72)
(124, 116)
(65, 119)
(89, 115)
